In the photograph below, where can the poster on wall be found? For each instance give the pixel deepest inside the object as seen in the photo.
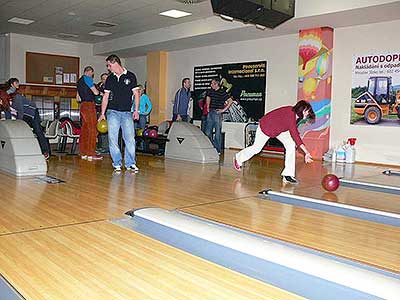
(315, 86)
(245, 82)
(375, 92)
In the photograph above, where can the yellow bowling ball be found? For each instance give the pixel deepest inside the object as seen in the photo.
(102, 126)
(139, 132)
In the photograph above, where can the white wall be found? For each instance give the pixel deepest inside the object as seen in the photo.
(19, 44)
(377, 144)
(4, 57)
(279, 52)
(138, 66)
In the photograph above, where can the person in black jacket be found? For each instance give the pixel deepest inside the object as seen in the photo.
(23, 109)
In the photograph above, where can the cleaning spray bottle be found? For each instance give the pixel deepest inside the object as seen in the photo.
(351, 151)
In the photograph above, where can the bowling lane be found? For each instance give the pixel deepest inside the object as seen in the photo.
(370, 243)
(355, 197)
(393, 180)
(104, 261)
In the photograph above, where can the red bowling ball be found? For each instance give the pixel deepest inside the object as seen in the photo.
(330, 182)
(153, 133)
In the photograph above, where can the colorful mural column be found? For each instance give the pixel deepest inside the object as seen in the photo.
(315, 86)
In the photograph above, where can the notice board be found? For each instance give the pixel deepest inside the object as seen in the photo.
(51, 69)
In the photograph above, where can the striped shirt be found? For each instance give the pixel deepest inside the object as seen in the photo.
(218, 98)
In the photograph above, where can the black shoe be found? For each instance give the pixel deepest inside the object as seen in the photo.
(290, 179)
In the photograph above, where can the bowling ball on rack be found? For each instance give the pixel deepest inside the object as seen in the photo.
(98, 99)
(330, 182)
(153, 133)
(139, 132)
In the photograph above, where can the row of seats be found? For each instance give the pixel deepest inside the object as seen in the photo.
(61, 131)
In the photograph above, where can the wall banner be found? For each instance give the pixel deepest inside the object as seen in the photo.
(375, 92)
(245, 82)
(315, 86)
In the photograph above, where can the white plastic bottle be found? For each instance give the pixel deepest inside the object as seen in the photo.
(340, 154)
(350, 154)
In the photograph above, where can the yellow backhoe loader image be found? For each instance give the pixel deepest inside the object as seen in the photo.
(379, 100)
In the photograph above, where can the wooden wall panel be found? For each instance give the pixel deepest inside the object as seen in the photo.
(156, 86)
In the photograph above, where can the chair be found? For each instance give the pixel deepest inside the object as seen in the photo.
(62, 133)
(70, 133)
(52, 132)
(45, 124)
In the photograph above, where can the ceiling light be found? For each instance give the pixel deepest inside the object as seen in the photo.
(20, 21)
(190, 2)
(261, 27)
(227, 18)
(100, 33)
(173, 13)
(66, 35)
(71, 13)
(104, 24)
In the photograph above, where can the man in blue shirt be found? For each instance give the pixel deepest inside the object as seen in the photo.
(144, 108)
(86, 93)
(181, 102)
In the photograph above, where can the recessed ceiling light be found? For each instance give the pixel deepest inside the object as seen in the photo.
(173, 13)
(227, 18)
(66, 35)
(20, 21)
(100, 33)
(104, 24)
(261, 27)
(190, 2)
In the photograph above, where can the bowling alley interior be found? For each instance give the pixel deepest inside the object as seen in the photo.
(199, 149)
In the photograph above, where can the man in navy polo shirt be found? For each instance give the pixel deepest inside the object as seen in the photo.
(217, 102)
(123, 85)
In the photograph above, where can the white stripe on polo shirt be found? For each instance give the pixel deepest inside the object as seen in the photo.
(123, 73)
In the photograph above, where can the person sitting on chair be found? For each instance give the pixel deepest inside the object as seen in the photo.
(23, 109)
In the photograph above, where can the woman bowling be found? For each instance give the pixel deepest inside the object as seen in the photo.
(280, 123)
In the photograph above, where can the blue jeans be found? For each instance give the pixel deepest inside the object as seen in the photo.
(141, 123)
(203, 123)
(214, 122)
(115, 121)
